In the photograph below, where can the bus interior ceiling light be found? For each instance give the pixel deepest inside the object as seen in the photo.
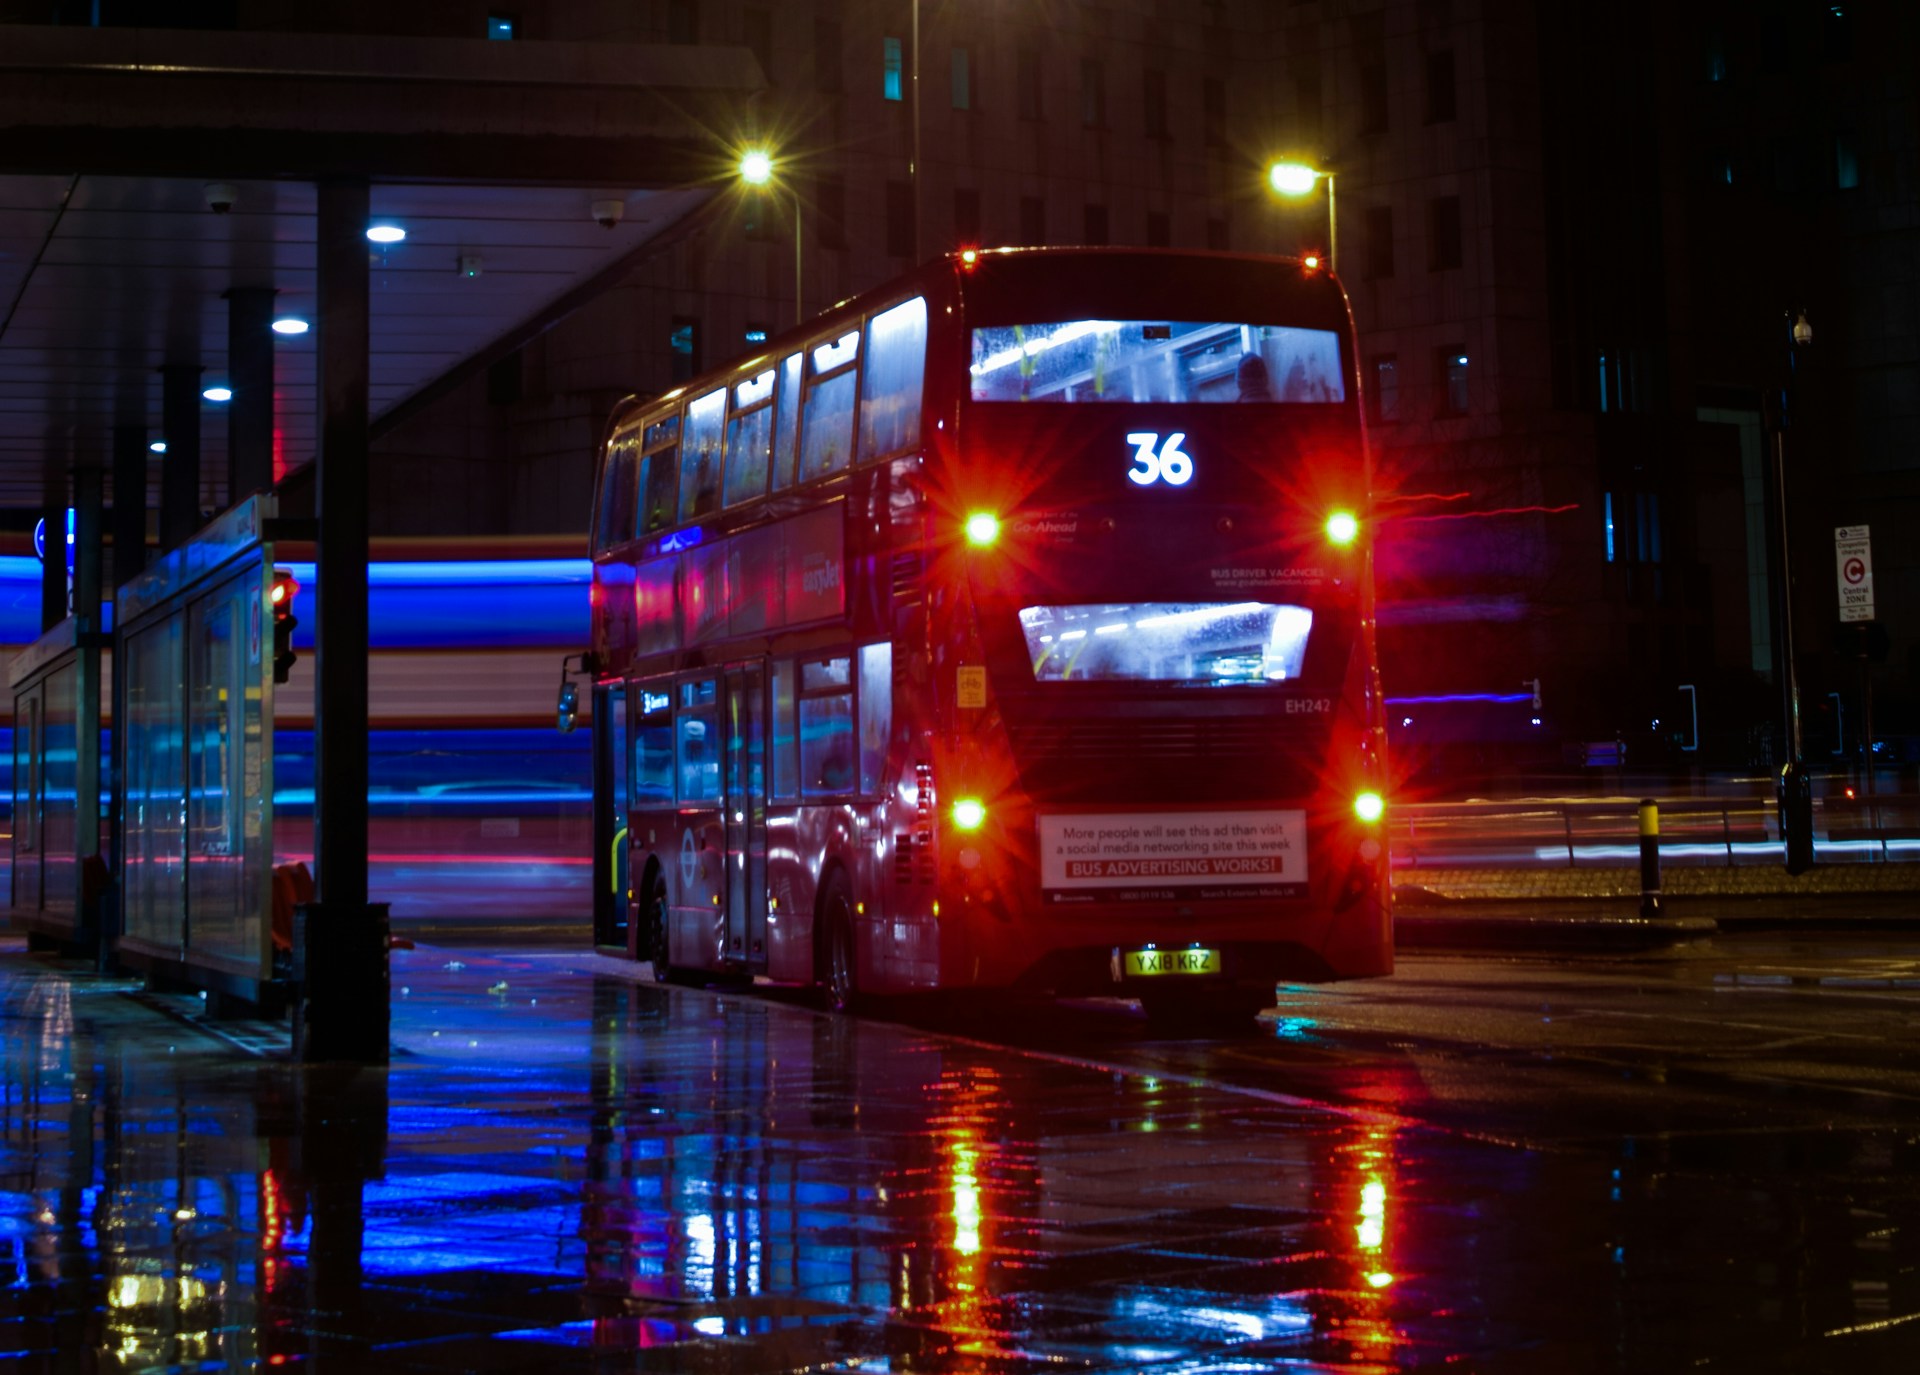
(1342, 527)
(385, 233)
(969, 813)
(983, 529)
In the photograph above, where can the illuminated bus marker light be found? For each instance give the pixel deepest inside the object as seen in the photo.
(1369, 806)
(983, 528)
(1343, 527)
(969, 813)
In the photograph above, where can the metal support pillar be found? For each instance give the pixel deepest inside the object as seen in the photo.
(89, 549)
(348, 1014)
(53, 547)
(180, 472)
(1796, 787)
(250, 375)
(129, 522)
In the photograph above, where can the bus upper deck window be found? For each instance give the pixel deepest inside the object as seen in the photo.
(749, 433)
(786, 422)
(890, 389)
(700, 454)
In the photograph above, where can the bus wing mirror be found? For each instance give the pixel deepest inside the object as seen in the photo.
(568, 708)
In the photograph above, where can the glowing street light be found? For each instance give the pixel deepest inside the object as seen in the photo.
(1299, 179)
(757, 169)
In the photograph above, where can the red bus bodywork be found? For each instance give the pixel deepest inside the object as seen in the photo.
(1114, 824)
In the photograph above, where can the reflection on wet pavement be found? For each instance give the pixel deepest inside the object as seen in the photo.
(565, 1169)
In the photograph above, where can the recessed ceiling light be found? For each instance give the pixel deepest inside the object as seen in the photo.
(218, 393)
(385, 233)
(290, 324)
(159, 446)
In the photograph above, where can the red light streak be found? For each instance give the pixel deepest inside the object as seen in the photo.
(1498, 511)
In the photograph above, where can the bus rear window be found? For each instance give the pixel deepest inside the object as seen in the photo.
(1144, 361)
(1199, 644)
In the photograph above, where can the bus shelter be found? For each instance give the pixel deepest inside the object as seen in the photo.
(194, 636)
(58, 877)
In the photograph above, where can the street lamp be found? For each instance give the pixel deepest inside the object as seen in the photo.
(757, 170)
(1298, 179)
(1796, 789)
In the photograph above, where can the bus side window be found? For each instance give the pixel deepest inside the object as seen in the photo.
(786, 757)
(748, 435)
(891, 385)
(827, 747)
(659, 476)
(699, 742)
(617, 491)
(876, 714)
(826, 413)
(650, 773)
(700, 455)
(786, 421)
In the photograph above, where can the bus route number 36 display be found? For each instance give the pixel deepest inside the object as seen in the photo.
(1155, 461)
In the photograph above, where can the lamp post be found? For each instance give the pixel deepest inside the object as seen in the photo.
(757, 170)
(1298, 179)
(1796, 789)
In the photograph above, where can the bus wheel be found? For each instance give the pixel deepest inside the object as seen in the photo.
(837, 958)
(652, 943)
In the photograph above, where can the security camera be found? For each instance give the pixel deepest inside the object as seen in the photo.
(609, 213)
(220, 196)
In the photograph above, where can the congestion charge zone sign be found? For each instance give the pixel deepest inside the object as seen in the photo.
(1158, 856)
(1853, 562)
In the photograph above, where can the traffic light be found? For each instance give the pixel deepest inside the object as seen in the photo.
(281, 599)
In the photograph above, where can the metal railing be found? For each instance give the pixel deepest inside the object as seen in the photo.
(1604, 832)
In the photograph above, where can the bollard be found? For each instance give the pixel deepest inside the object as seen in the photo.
(1649, 857)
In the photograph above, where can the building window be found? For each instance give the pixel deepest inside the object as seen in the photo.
(1606, 509)
(826, 56)
(1159, 229)
(1443, 233)
(1716, 57)
(830, 195)
(1440, 92)
(1033, 221)
(1026, 80)
(683, 346)
(960, 70)
(892, 77)
(1153, 103)
(899, 219)
(1385, 396)
(1720, 167)
(1370, 58)
(1846, 162)
(1096, 225)
(1379, 240)
(1453, 380)
(683, 21)
(1306, 95)
(966, 216)
(503, 27)
(1217, 233)
(1093, 93)
(756, 34)
(1213, 112)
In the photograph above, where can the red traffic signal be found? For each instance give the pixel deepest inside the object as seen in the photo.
(285, 589)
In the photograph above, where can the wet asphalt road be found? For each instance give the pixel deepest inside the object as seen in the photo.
(1702, 1159)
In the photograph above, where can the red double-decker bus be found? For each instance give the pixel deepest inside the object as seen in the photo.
(1008, 626)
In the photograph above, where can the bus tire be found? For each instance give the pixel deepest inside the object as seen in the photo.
(651, 942)
(839, 957)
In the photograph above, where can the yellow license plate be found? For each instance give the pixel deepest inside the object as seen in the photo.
(1142, 964)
